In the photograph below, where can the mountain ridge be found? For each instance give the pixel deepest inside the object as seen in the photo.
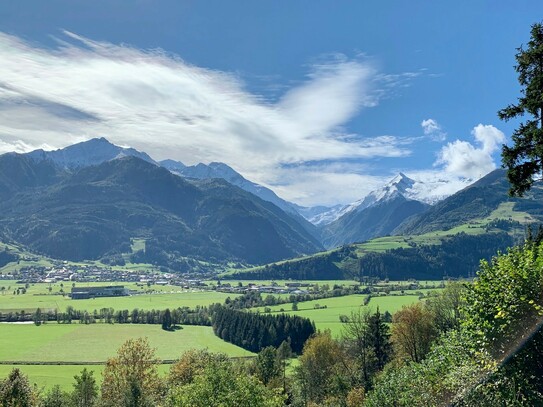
(95, 211)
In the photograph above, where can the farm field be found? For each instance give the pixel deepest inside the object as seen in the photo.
(46, 377)
(97, 342)
(328, 318)
(164, 297)
(94, 343)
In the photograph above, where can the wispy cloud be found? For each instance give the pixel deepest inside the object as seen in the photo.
(159, 103)
(432, 129)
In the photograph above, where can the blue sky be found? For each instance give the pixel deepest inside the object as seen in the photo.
(321, 101)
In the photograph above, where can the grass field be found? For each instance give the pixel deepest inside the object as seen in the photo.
(328, 318)
(97, 342)
(94, 343)
(165, 297)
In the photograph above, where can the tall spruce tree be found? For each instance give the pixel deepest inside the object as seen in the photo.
(524, 160)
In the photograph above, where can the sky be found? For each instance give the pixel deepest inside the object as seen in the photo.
(322, 101)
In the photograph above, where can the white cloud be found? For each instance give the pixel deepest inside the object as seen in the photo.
(432, 129)
(160, 104)
(464, 159)
(19, 146)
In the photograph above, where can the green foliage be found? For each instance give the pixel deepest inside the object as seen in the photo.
(267, 365)
(57, 398)
(456, 256)
(449, 371)
(131, 378)
(322, 374)
(504, 310)
(506, 297)
(167, 320)
(15, 391)
(524, 161)
(253, 331)
(85, 390)
(446, 305)
(366, 341)
(218, 384)
(495, 357)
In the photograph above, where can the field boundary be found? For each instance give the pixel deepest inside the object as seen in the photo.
(81, 363)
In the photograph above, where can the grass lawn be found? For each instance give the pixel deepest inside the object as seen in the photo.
(89, 343)
(328, 318)
(97, 342)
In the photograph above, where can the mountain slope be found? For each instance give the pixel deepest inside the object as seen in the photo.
(378, 214)
(98, 209)
(19, 172)
(380, 219)
(223, 171)
(86, 153)
(475, 201)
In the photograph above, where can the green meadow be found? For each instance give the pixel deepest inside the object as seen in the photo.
(54, 342)
(328, 318)
(162, 297)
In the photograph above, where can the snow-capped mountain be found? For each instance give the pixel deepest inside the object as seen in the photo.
(377, 214)
(90, 152)
(321, 215)
(399, 185)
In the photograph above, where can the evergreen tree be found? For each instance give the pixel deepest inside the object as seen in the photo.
(267, 365)
(56, 398)
(524, 161)
(16, 391)
(85, 391)
(167, 320)
(379, 339)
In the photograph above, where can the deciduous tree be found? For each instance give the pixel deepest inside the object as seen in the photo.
(413, 331)
(131, 375)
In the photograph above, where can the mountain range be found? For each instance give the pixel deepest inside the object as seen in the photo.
(95, 211)
(91, 199)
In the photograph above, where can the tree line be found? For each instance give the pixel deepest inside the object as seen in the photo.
(254, 331)
(456, 256)
(200, 315)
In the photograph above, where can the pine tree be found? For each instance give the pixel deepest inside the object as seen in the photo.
(524, 161)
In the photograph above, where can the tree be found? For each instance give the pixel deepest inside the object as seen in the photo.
(413, 332)
(356, 335)
(131, 377)
(192, 363)
(267, 365)
(284, 353)
(524, 161)
(15, 391)
(85, 392)
(446, 306)
(321, 373)
(379, 339)
(503, 311)
(37, 317)
(56, 398)
(167, 320)
(219, 385)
